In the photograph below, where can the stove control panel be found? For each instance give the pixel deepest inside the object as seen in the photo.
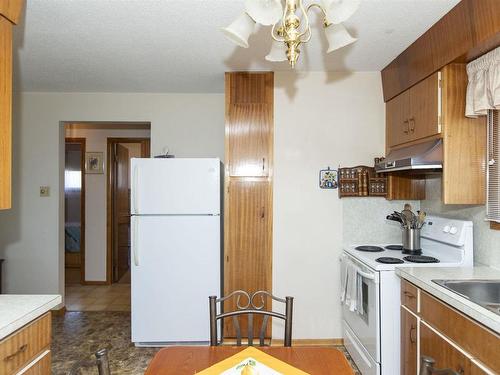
(450, 231)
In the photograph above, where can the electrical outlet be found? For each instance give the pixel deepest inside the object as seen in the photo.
(44, 191)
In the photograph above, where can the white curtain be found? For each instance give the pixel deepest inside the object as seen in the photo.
(483, 90)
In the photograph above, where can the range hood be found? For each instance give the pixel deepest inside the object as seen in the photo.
(427, 155)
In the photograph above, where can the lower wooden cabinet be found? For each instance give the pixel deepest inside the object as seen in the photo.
(446, 356)
(409, 339)
(41, 367)
(27, 350)
(431, 328)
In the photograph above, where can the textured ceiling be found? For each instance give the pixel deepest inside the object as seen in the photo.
(176, 46)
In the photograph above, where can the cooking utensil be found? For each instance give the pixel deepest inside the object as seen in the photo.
(421, 219)
(394, 218)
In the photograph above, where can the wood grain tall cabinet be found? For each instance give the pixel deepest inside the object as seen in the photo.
(10, 11)
(248, 183)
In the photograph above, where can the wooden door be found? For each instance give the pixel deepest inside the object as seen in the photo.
(121, 243)
(248, 127)
(408, 343)
(248, 256)
(5, 112)
(397, 120)
(446, 356)
(424, 108)
(249, 124)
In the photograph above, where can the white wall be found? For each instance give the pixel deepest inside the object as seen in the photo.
(31, 234)
(95, 198)
(486, 240)
(321, 120)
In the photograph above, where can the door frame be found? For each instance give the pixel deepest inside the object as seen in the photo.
(83, 144)
(110, 191)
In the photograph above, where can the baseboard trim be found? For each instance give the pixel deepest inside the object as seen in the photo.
(59, 312)
(95, 283)
(311, 342)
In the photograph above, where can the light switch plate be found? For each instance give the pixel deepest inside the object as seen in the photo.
(44, 191)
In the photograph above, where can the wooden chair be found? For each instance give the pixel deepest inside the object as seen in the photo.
(251, 305)
(101, 362)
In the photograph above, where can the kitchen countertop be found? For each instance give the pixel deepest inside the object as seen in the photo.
(18, 310)
(422, 277)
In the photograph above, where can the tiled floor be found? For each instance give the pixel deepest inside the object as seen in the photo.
(78, 335)
(115, 297)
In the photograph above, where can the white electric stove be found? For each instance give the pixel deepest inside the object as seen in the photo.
(373, 336)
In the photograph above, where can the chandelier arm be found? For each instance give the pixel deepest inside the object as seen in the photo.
(308, 26)
(275, 35)
(315, 5)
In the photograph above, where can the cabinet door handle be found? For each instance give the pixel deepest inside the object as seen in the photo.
(21, 349)
(263, 164)
(407, 127)
(412, 127)
(408, 294)
(413, 338)
(263, 213)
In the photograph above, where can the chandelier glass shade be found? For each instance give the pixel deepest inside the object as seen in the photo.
(290, 25)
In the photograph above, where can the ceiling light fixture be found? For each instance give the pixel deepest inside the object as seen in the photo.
(290, 25)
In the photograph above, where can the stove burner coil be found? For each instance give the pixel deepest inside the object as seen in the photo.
(389, 260)
(421, 259)
(394, 247)
(370, 249)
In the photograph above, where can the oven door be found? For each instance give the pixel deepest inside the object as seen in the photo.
(366, 326)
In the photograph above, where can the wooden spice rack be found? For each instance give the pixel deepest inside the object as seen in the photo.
(361, 181)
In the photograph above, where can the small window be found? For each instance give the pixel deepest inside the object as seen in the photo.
(493, 173)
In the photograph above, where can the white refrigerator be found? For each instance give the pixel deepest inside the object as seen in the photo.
(175, 248)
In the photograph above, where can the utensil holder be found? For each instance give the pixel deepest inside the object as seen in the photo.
(411, 241)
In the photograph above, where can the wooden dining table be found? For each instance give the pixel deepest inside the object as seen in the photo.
(188, 360)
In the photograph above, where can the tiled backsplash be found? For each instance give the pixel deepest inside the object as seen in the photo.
(486, 241)
(364, 220)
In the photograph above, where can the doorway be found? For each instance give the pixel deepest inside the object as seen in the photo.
(120, 151)
(74, 213)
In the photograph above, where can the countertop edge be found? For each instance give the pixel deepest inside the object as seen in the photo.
(29, 317)
(466, 307)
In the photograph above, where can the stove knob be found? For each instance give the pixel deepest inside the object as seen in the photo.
(453, 230)
(446, 229)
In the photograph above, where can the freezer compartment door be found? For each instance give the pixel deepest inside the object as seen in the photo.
(176, 187)
(175, 268)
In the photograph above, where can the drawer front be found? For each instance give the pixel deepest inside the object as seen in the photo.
(20, 348)
(41, 367)
(409, 296)
(478, 341)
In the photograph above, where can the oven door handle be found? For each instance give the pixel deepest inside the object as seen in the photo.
(369, 276)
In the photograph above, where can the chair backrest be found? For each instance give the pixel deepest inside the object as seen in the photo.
(250, 306)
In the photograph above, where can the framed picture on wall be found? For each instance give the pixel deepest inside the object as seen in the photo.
(94, 162)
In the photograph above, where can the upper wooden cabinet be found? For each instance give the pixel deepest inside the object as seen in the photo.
(467, 31)
(435, 108)
(10, 11)
(249, 124)
(5, 112)
(415, 113)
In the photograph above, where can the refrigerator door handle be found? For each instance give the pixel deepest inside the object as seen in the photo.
(135, 179)
(135, 237)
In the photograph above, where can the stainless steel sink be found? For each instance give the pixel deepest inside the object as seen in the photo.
(483, 292)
